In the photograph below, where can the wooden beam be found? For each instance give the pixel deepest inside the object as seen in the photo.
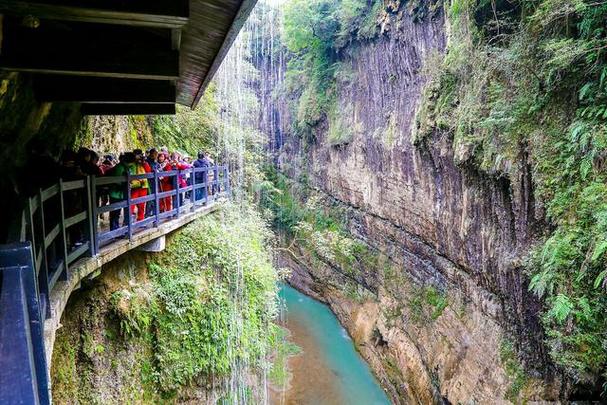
(128, 109)
(1, 31)
(91, 50)
(102, 90)
(151, 13)
(176, 38)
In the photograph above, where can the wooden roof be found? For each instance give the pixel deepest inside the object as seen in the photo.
(117, 56)
(213, 27)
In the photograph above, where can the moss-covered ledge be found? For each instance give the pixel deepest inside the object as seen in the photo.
(91, 267)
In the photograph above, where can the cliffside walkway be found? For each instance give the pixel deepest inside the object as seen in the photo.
(61, 241)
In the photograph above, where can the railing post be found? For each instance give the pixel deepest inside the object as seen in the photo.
(43, 275)
(32, 230)
(226, 178)
(95, 213)
(63, 275)
(127, 213)
(205, 182)
(91, 212)
(156, 199)
(193, 183)
(177, 195)
(215, 190)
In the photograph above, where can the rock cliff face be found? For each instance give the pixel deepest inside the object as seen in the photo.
(445, 228)
(28, 126)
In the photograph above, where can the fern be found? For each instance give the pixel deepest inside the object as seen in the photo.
(561, 308)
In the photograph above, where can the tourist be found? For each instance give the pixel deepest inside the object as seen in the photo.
(104, 191)
(69, 168)
(88, 161)
(166, 182)
(140, 187)
(117, 193)
(176, 163)
(77, 165)
(201, 177)
(152, 161)
(181, 165)
(107, 164)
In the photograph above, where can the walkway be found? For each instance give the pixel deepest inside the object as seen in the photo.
(60, 241)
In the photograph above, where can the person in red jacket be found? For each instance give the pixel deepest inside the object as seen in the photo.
(166, 183)
(178, 164)
(140, 188)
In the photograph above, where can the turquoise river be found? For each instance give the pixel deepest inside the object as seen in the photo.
(329, 370)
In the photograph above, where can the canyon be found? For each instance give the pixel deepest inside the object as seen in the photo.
(441, 227)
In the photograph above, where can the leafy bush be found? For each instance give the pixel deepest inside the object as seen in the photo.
(210, 301)
(315, 227)
(342, 125)
(190, 130)
(514, 370)
(283, 349)
(427, 304)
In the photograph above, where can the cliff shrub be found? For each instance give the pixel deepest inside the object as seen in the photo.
(206, 309)
(283, 349)
(427, 304)
(342, 125)
(314, 33)
(317, 228)
(530, 78)
(514, 370)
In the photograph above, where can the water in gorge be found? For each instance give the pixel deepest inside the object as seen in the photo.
(328, 370)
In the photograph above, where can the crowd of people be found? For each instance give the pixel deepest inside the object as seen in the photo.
(87, 162)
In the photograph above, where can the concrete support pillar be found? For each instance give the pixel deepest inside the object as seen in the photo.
(154, 246)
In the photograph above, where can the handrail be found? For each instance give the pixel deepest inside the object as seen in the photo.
(204, 184)
(61, 224)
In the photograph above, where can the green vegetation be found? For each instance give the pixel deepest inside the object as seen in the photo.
(529, 78)
(286, 200)
(514, 370)
(64, 377)
(316, 228)
(190, 130)
(197, 314)
(283, 349)
(199, 291)
(314, 32)
(427, 304)
(342, 125)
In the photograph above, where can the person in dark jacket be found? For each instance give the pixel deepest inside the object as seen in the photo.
(203, 161)
(87, 161)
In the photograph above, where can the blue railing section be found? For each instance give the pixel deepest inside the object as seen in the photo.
(60, 225)
(23, 372)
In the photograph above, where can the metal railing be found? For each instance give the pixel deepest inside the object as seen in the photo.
(62, 224)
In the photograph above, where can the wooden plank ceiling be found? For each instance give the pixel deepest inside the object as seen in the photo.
(120, 57)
